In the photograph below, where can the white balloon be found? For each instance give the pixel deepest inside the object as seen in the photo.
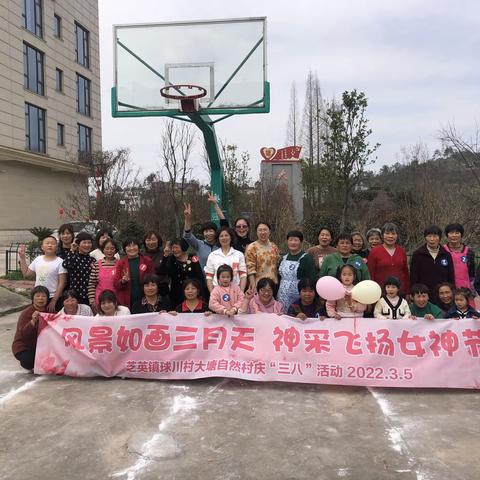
(367, 292)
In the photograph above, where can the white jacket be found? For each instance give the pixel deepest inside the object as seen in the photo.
(234, 258)
(384, 310)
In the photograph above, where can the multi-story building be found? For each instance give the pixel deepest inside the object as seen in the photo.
(49, 108)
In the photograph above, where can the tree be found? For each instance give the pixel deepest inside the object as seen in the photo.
(314, 176)
(347, 151)
(177, 141)
(236, 172)
(108, 189)
(293, 124)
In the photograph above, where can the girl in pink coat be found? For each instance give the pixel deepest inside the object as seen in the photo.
(226, 298)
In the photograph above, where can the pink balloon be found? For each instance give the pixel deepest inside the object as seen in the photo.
(330, 288)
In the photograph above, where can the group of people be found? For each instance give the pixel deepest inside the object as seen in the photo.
(227, 272)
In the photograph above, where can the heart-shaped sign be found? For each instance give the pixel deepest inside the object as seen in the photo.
(268, 152)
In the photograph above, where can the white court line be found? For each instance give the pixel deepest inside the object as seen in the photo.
(395, 435)
(15, 391)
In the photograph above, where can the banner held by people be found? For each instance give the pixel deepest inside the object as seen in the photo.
(264, 347)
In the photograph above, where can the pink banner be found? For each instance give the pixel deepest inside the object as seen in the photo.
(264, 347)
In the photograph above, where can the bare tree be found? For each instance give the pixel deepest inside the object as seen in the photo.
(293, 124)
(466, 152)
(109, 189)
(177, 141)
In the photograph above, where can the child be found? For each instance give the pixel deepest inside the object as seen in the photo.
(391, 305)
(309, 305)
(462, 309)
(226, 298)
(48, 271)
(346, 306)
(421, 307)
(193, 303)
(445, 296)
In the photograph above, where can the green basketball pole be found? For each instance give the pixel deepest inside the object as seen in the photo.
(205, 124)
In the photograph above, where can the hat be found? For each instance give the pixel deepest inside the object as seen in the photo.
(83, 236)
(392, 281)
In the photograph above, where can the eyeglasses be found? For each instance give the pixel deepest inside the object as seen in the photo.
(241, 227)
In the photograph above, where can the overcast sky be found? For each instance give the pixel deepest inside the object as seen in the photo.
(416, 60)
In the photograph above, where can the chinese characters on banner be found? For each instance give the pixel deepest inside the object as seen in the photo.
(264, 347)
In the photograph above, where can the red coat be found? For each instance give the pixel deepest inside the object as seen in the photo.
(26, 334)
(382, 265)
(123, 290)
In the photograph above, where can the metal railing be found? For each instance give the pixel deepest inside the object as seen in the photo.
(12, 259)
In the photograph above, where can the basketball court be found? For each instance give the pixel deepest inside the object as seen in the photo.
(59, 427)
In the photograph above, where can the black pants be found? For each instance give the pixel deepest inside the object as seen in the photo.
(26, 359)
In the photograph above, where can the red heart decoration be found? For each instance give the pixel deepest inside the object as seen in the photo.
(268, 152)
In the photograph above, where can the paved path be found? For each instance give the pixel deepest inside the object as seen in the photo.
(56, 428)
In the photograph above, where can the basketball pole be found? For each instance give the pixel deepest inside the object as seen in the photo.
(217, 181)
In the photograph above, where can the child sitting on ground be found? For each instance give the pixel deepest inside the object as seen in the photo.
(391, 306)
(346, 306)
(226, 298)
(462, 309)
(421, 307)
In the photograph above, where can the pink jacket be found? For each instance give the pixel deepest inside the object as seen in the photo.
(224, 298)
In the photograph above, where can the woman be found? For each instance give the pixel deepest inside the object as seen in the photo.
(463, 258)
(445, 296)
(179, 266)
(25, 340)
(296, 264)
(324, 247)
(374, 237)
(389, 260)
(65, 237)
(333, 262)
(129, 273)
(358, 245)
(263, 301)
(431, 264)
(102, 275)
(102, 236)
(241, 226)
(226, 255)
(262, 256)
(108, 305)
(152, 244)
(72, 305)
(151, 301)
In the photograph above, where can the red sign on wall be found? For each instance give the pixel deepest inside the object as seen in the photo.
(271, 154)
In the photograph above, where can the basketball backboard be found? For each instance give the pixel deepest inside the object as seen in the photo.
(225, 57)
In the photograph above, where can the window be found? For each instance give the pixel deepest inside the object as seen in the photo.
(83, 95)
(60, 135)
(32, 16)
(57, 26)
(82, 45)
(84, 139)
(34, 128)
(58, 80)
(33, 69)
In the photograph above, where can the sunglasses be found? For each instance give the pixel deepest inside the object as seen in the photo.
(241, 227)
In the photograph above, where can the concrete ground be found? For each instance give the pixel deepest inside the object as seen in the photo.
(56, 428)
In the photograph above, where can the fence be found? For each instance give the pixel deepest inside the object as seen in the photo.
(12, 259)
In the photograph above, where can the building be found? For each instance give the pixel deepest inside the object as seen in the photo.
(49, 107)
(283, 167)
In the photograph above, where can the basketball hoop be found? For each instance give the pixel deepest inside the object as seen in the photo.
(188, 101)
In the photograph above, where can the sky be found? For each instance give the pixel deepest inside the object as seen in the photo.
(416, 61)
